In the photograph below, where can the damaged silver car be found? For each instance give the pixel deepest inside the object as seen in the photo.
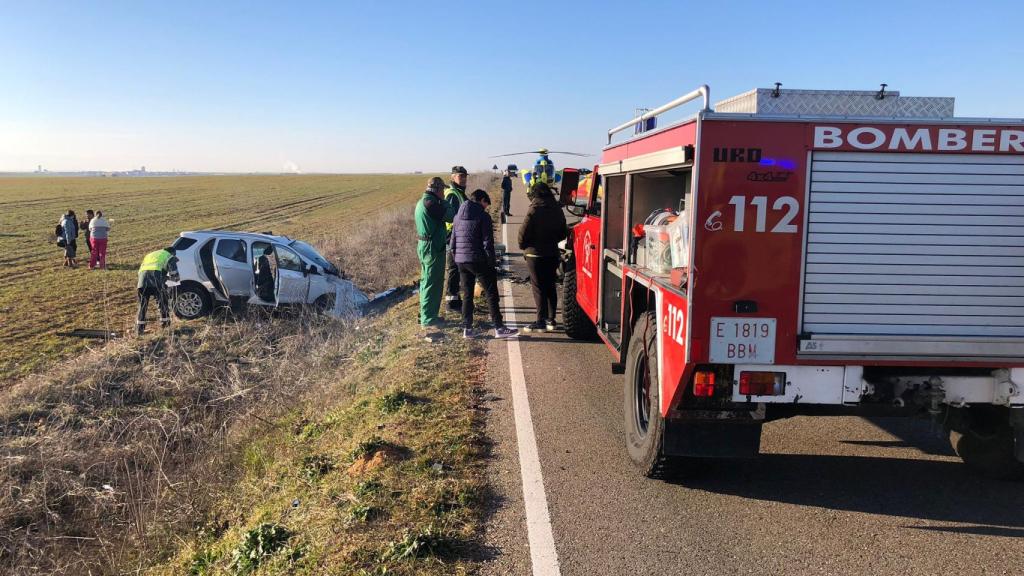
(219, 267)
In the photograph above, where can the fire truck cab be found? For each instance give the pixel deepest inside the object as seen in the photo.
(806, 252)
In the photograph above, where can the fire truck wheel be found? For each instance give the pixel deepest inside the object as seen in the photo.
(577, 325)
(644, 425)
(986, 444)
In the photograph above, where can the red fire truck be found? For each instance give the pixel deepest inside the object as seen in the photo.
(832, 253)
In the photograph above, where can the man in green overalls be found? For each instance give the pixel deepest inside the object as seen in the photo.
(432, 212)
(153, 274)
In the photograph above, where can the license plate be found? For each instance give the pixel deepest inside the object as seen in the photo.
(742, 340)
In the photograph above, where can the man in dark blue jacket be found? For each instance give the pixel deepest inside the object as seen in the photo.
(472, 248)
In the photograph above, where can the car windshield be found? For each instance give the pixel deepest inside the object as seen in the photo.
(310, 253)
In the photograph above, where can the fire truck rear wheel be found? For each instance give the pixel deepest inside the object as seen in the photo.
(644, 425)
(986, 443)
(577, 324)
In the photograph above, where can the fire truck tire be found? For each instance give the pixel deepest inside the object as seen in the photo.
(645, 428)
(577, 325)
(987, 446)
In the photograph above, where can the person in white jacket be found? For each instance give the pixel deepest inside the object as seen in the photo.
(99, 231)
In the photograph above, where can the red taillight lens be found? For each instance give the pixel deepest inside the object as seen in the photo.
(704, 384)
(762, 383)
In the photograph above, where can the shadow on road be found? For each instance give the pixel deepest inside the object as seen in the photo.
(529, 311)
(878, 443)
(920, 434)
(922, 489)
(551, 338)
(975, 530)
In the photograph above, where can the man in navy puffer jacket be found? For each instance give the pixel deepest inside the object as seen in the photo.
(472, 248)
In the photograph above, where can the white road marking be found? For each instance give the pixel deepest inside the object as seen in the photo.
(543, 555)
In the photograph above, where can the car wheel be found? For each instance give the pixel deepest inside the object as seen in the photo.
(324, 304)
(192, 301)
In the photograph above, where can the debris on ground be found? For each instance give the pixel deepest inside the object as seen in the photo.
(92, 334)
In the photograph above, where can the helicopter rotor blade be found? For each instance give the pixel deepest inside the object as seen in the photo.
(514, 154)
(569, 153)
(538, 152)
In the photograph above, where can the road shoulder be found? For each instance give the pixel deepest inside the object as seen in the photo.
(504, 534)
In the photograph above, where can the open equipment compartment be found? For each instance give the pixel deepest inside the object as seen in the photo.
(651, 193)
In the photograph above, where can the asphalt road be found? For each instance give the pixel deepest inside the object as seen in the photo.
(828, 495)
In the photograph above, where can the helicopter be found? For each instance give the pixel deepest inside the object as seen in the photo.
(543, 167)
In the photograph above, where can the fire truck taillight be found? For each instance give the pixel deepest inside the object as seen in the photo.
(762, 383)
(704, 383)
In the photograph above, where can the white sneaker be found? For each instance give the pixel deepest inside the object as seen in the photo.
(469, 333)
(549, 326)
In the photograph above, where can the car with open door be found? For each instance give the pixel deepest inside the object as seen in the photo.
(220, 268)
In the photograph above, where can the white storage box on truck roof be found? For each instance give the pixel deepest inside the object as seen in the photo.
(836, 103)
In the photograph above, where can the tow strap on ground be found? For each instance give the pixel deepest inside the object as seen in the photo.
(88, 333)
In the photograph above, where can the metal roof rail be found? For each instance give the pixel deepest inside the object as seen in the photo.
(703, 90)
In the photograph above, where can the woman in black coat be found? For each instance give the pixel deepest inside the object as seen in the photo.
(539, 235)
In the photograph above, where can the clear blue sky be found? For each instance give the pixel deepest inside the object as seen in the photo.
(400, 86)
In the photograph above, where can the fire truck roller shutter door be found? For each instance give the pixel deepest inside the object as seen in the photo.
(916, 244)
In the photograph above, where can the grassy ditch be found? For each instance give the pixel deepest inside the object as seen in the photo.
(381, 475)
(258, 443)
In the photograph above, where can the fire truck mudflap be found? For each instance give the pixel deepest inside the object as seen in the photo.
(868, 260)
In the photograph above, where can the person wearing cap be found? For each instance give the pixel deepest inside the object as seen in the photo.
(455, 195)
(432, 213)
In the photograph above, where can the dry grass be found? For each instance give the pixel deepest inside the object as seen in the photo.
(369, 259)
(114, 460)
(389, 243)
(110, 455)
(381, 475)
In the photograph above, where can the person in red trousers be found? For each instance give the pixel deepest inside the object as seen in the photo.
(99, 230)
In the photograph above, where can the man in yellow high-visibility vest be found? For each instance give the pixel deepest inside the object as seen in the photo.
(455, 195)
(153, 273)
